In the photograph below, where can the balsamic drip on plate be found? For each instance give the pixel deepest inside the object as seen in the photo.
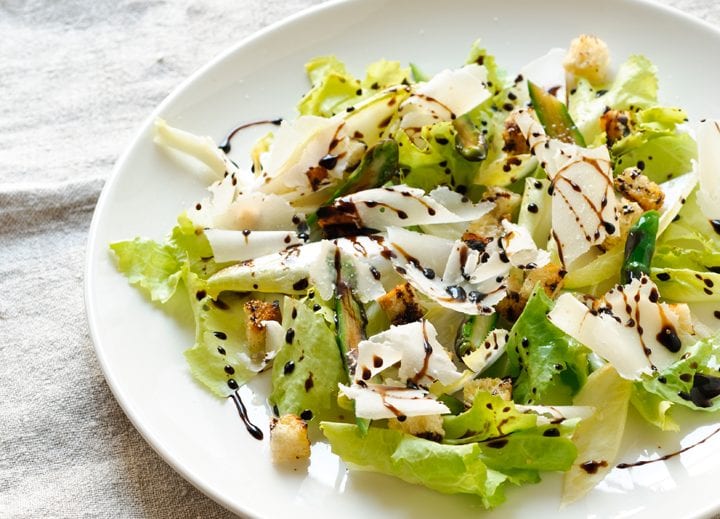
(225, 145)
(667, 456)
(253, 429)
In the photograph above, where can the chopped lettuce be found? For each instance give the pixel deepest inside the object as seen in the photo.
(598, 437)
(334, 88)
(634, 87)
(482, 469)
(220, 352)
(548, 366)
(308, 368)
(662, 157)
(693, 381)
(489, 417)
(687, 257)
(435, 162)
(157, 268)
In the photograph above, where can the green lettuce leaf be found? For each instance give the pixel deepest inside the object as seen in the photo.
(154, 267)
(482, 469)
(157, 268)
(548, 366)
(686, 264)
(653, 408)
(489, 417)
(435, 162)
(687, 381)
(663, 156)
(308, 368)
(334, 88)
(451, 469)
(220, 352)
(634, 87)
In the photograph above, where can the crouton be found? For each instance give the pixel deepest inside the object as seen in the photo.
(629, 212)
(506, 207)
(289, 439)
(258, 311)
(429, 427)
(640, 189)
(401, 305)
(589, 58)
(550, 278)
(501, 387)
(513, 304)
(513, 139)
(616, 125)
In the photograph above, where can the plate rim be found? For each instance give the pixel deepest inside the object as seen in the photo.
(155, 442)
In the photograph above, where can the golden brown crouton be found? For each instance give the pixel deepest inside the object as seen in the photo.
(589, 58)
(429, 427)
(616, 125)
(629, 212)
(258, 311)
(514, 141)
(637, 187)
(401, 305)
(495, 386)
(289, 439)
(550, 278)
(506, 207)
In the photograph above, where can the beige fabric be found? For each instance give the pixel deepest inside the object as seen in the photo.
(77, 77)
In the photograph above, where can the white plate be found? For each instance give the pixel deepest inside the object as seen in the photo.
(140, 345)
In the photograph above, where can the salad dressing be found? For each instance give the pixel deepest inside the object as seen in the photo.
(667, 456)
(253, 429)
(225, 146)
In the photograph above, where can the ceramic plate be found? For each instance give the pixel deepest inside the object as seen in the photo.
(140, 345)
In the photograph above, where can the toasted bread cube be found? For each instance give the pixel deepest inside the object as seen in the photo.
(514, 140)
(495, 386)
(550, 278)
(401, 305)
(616, 125)
(640, 189)
(258, 311)
(629, 213)
(589, 58)
(429, 427)
(289, 439)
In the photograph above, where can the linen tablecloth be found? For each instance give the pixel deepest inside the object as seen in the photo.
(77, 77)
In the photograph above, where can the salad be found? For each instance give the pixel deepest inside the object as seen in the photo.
(461, 278)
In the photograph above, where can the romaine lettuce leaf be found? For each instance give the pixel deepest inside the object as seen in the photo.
(489, 417)
(154, 267)
(435, 162)
(220, 351)
(548, 366)
(598, 437)
(157, 268)
(686, 264)
(308, 368)
(475, 468)
(693, 381)
(334, 88)
(635, 86)
(663, 156)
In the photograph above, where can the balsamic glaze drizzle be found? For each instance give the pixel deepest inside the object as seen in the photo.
(253, 429)
(225, 145)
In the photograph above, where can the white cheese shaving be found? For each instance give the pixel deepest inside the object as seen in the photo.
(472, 281)
(489, 351)
(676, 192)
(422, 359)
(548, 72)
(708, 140)
(377, 402)
(583, 200)
(628, 327)
(246, 244)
